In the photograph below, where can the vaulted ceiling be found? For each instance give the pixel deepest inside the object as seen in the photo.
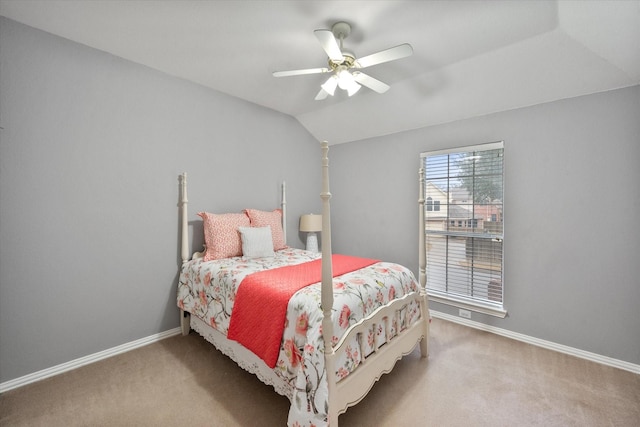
(470, 57)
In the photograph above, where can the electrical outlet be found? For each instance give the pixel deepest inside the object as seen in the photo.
(464, 313)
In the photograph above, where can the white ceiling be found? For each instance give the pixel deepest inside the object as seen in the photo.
(470, 57)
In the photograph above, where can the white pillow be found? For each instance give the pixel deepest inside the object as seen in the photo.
(256, 242)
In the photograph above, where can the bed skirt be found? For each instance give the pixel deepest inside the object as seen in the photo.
(246, 359)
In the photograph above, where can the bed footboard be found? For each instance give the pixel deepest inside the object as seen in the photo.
(355, 386)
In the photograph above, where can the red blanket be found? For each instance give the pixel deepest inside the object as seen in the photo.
(260, 308)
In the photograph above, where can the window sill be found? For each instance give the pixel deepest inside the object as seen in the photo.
(492, 310)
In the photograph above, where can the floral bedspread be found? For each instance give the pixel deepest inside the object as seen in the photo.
(208, 290)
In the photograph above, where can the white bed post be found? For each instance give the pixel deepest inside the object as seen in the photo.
(422, 266)
(184, 245)
(327, 287)
(284, 210)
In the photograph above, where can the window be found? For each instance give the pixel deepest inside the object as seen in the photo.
(429, 204)
(464, 239)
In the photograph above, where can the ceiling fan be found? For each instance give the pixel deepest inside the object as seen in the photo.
(344, 65)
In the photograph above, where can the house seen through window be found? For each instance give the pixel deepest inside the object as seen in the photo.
(464, 227)
(433, 205)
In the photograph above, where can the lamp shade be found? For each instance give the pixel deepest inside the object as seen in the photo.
(311, 223)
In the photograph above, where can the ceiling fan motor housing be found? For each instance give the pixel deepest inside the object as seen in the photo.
(341, 30)
(348, 61)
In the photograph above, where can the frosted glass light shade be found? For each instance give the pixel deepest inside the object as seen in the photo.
(330, 85)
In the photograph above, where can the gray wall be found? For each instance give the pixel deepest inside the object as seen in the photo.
(92, 145)
(572, 201)
(90, 152)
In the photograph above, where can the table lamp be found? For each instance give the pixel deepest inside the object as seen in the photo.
(311, 224)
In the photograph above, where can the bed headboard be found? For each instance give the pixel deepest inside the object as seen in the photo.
(184, 219)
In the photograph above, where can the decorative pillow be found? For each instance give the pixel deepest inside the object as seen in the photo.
(272, 219)
(221, 234)
(256, 242)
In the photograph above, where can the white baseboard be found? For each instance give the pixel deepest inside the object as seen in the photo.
(604, 360)
(64, 367)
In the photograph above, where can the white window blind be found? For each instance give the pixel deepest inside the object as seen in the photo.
(464, 236)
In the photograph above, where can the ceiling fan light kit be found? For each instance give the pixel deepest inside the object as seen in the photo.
(341, 62)
(330, 85)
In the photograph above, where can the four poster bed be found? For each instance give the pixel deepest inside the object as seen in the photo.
(345, 323)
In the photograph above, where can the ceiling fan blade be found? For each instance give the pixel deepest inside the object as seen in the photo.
(370, 82)
(387, 55)
(329, 44)
(300, 72)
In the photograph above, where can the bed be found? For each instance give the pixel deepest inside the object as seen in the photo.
(347, 320)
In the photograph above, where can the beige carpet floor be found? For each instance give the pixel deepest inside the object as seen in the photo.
(472, 378)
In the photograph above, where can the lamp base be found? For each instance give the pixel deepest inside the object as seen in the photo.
(312, 242)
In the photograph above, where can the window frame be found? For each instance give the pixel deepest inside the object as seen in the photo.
(485, 306)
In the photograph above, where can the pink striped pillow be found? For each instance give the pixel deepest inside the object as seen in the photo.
(272, 219)
(221, 234)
